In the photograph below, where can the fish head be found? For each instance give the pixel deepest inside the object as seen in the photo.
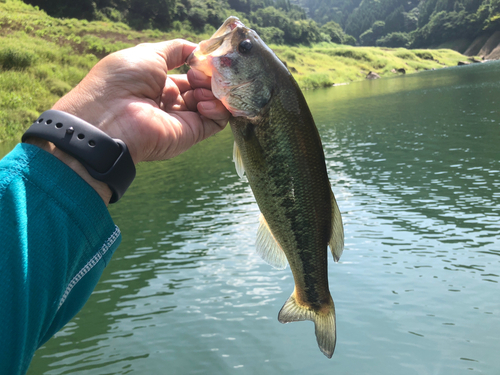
(241, 65)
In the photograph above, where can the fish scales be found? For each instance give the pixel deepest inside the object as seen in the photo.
(286, 170)
(278, 146)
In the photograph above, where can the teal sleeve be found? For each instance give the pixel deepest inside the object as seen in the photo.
(56, 238)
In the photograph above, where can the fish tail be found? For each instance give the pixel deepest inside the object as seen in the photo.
(324, 322)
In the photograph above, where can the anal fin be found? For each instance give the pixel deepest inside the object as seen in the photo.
(267, 246)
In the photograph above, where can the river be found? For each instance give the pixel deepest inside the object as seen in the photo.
(414, 164)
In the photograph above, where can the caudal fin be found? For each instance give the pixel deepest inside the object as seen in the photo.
(324, 322)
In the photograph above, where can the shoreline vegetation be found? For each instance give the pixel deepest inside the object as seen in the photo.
(42, 58)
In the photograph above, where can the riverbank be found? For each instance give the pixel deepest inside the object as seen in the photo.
(327, 64)
(42, 58)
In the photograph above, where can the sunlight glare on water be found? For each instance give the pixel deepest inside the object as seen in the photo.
(414, 164)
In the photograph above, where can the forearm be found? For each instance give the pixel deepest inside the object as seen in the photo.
(56, 238)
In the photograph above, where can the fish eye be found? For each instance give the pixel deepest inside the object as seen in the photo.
(245, 46)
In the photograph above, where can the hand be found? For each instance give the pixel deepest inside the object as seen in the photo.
(129, 95)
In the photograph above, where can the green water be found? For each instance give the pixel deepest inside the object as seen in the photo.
(414, 164)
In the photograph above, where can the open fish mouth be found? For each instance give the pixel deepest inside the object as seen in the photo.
(209, 46)
(229, 25)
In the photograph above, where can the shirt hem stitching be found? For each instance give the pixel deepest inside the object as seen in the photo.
(90, 265)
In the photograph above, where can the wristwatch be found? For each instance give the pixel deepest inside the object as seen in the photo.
(105, 158)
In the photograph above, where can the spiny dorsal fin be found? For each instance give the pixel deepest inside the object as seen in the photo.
(324, 322)
(336, 242)
(238, 162)
(267, 246)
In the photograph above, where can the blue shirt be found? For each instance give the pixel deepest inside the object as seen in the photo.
(56, 238)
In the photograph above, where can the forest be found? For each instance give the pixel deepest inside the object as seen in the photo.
(389, 23)
(408, 23)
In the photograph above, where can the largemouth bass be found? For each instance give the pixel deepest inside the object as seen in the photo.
(278, 146)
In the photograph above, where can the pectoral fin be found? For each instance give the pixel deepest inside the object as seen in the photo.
(267, 246)
(336, 242)
(238, 162)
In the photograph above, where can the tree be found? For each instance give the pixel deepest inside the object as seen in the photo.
(334, 31)
(211, 12)
(394, 40)
(411, 19)
(271, 35)
(84, 9)
(396, 20)
(370, 36)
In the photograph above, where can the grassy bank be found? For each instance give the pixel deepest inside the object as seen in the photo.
(326, 64)
(42, 58)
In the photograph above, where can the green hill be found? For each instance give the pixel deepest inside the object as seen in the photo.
(43, 57)
(410, 23)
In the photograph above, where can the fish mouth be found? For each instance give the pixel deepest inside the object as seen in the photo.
(207, 47)
(229, 25)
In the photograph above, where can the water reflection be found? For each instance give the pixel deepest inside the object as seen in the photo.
(414, 165)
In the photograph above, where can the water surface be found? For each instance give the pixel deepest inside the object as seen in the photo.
(414, 164)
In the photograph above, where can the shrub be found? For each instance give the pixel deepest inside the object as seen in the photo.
(351, 53)
(12, 58)
(406, 55)
(367, 38)
(426, 55)
(56, 86)
(315, 80)
(336, 34)
(394, 40)
(349, 40)
(271, 35)
(289, 55)
(209, 29)
(44, 71)
(177, 25)
(334, 31)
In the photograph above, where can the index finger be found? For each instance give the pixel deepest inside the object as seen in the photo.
(175, 52)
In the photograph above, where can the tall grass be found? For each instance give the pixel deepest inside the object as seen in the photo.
(42, 58)
(34, 73)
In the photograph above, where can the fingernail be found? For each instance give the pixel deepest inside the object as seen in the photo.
(208, 105)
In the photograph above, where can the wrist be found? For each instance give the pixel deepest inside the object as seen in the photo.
(100, 187)
(102, 118)
(89, 151)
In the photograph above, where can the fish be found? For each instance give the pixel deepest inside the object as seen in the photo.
(278, 147)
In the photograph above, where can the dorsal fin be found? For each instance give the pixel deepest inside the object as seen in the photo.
(238, 162)
(336, 241)
(267, 246)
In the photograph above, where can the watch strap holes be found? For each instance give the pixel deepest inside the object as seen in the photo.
(105, 158)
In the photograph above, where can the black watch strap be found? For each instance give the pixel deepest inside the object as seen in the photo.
(105, 158)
